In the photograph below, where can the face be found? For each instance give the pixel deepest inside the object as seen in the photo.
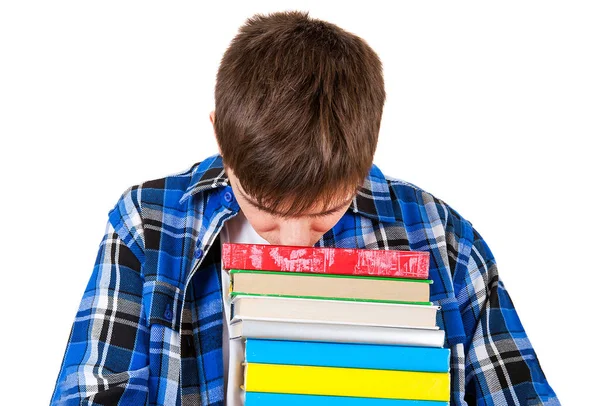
(304, 230)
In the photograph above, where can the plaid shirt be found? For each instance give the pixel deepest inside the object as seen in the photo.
(148, 330)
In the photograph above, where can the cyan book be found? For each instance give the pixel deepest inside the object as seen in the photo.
(348, 355)
(279, 399)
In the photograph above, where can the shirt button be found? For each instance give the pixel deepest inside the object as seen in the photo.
(198, 253)
(168, 313)
(228, 197)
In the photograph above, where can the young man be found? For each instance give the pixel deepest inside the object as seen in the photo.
(297, 116)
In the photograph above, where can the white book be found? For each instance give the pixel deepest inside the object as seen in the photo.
(340, 333)
(237, 352)
(334, 311)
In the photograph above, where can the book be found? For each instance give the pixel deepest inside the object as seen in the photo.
(353, 382)
(288, 399)
(345, 299)
(329, 286)
(286, 329)
(333, 311)
(326, 260)
(348, 355)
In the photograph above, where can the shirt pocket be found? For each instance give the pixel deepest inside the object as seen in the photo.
(163, 303)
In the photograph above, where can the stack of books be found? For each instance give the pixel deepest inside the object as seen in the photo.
(333, 326)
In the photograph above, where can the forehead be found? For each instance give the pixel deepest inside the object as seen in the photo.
(320, 207)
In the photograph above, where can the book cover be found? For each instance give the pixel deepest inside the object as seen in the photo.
(333, 311)
(286, 329)
(353, 382)
(286, 399)
(330, 286)
(237, 354)
(341, 261)
(347, 355)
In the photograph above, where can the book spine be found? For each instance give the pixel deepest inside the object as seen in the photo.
(346, 355)
(334, 311)
(342, 333)
(383, 263)
(326, 275)
(279, 399)
(234, 294)
(353, 382)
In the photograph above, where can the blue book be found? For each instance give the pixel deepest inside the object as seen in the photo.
(348, 355)
(279, 399)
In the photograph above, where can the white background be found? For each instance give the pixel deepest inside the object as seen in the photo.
(493, 108)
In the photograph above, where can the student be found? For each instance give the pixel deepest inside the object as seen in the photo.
(298, 105)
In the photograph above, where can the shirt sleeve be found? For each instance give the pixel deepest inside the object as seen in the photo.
(501, 366)
(106, 357)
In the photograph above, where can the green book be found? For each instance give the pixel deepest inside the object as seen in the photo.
(329, 287)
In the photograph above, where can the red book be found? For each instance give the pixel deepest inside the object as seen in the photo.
(339, 261)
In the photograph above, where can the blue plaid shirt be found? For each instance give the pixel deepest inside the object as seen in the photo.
(148, 330)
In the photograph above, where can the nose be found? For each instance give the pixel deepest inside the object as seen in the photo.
(295, 232)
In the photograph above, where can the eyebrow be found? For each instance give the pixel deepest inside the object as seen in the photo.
(274, 212)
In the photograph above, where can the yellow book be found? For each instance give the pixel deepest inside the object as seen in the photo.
(357, 382)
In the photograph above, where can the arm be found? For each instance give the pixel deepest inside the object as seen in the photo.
(106, 358)
(501, 366)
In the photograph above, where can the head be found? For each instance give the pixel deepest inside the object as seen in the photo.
(298, 106)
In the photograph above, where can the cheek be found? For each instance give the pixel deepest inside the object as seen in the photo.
(260, 222)
(263, 225)
(323, 225)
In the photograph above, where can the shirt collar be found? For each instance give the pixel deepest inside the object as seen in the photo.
(373, 199)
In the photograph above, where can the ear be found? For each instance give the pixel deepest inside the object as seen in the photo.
(212, 120)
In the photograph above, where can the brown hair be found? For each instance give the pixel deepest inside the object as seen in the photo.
(298, 105)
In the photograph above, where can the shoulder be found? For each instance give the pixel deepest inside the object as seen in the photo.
(142, 206)
(406, 194)
(413, 203)
(159, 192)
